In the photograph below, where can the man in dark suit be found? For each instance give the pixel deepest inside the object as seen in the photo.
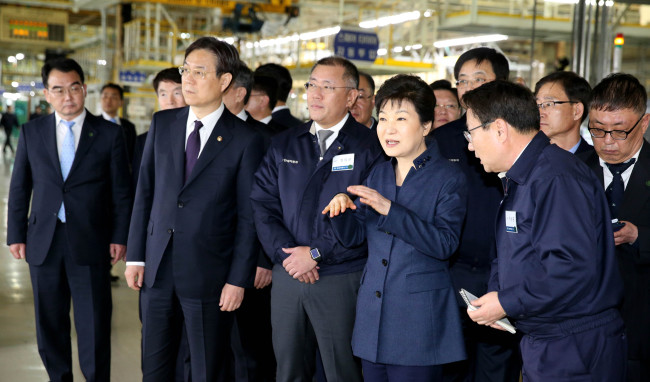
(262, 100)
(621, 159)
(251, 336)
(491, 355)
(563, 100)
(192, 240)
(315, 278)
(169, 93)
(73, 168)
(281, 112)
(112, 99)
(555, 272)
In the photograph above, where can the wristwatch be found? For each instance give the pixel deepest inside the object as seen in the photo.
(315, 255)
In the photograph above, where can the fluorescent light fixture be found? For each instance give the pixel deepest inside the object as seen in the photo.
(387, 20)
(398, 49)
(99, 62)
(20, 56)
(320, 33)
(11, 59)
(470, 40)
(229, 40)
(14, 84)
(416, 46)
(427, 13)
(381, 52)
(296, 37)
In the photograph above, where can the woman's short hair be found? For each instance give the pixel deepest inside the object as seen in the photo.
(407, 87)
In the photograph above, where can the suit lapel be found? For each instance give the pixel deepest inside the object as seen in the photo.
(49, 141)
(218, 140)
(637, 190)
(88, 133)
(176, 143)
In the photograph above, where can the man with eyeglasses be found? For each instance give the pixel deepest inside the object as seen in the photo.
(365, 103)
(621, 159)
(491, 355)
(315, 278)
(447, 108)
(192, 247)
(555, 274)
(68, 217)
(563, 101)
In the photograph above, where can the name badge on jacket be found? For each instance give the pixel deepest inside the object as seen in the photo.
(511, 221)
(343, 162)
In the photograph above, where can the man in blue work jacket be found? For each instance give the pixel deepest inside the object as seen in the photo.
(315, 278)
(555, 272)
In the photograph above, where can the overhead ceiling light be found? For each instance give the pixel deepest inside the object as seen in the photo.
(470, 40)
(11, 59)
(20, 56)
(387, 20)
(320, 33)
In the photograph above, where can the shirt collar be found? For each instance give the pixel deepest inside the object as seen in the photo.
(209, 120)
(242, 115)
(78, 120)
(573, 149)
(266, 120)
(278, 108)
(108, 117)
(315, 127)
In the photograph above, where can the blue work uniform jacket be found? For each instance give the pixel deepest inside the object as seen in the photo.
(555, 254)
(292, 186)
(406, 308)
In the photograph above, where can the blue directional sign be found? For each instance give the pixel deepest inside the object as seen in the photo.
(356, 45)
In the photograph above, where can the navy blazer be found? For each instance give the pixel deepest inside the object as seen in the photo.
(97, 192)
(406, 307)
(560, 262)
(292, 187)
(209, 216)
(634, 259)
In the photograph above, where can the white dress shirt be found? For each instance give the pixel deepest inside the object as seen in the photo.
(209, 122)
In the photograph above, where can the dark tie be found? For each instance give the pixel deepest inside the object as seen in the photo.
(616, 189)
(193, 148)
(322, 138)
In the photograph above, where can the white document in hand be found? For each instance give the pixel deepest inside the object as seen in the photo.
(468, 298)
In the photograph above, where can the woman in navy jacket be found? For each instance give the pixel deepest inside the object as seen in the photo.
(411, 210)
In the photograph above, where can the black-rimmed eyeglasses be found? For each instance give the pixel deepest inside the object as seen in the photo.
(467, 133)
(619, 135)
